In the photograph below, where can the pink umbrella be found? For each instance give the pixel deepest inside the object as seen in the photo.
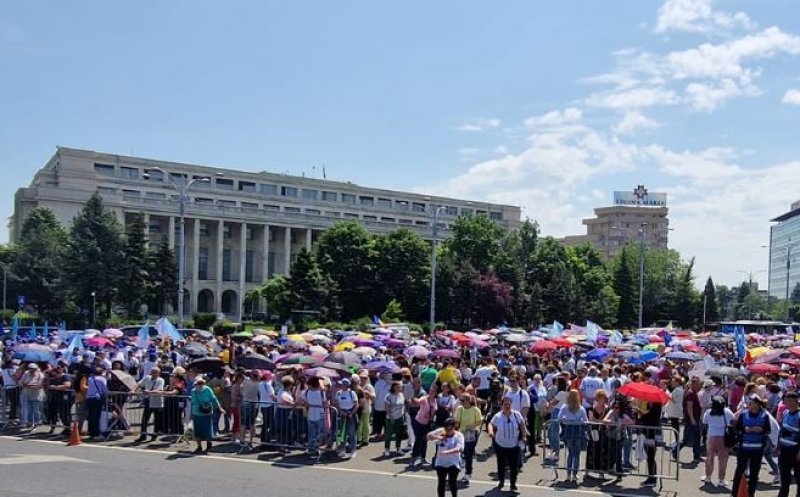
(416, 351)
(99, 342)
(446, 353)
(112, 333)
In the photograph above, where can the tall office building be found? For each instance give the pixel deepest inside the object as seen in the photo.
(784, 252)
(633, 212)
(241, 227)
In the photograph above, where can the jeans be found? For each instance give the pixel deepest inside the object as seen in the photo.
(316, 433)
(420, 448)
(691, 438)
(32, 410)
(364, 426)
(283, 426)
(349, 422)
(574, 448)
(768, 451)
(447, 475)
(507, 457)
(751, 461)
(59, 405)
(554, 436)
(787, 462)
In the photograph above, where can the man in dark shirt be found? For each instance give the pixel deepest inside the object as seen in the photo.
(691, 417)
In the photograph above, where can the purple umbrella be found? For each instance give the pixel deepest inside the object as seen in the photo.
(321, 373)
(395, 343)
(480, 344)
(416, 351)
(446, 353)
(383, 367)
(362, 342)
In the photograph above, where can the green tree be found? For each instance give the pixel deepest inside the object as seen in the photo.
(37, 267)
(477, 240)
(551, 269)
(344, 254)
(393, 313)
(624, 288)
(135, 278)
(164, 278)
(725, 301)
(741, 311)
(94, 256)
(402, 268)
(710, 297)
(306, 284)
(686, 297)
(277, 294)
(493, 301)
(794, 298)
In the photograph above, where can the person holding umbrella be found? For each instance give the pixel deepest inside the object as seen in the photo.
(204, 403)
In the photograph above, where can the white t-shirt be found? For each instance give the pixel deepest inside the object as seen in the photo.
(315, 400)
(448, 460)
(382, 388)
(589, 386)
(519, 399)
(266, 394)
(484, 373)
(506, 429)
(675, 405)
(346, 400)
(716, 424)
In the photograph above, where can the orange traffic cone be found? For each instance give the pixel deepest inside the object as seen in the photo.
(743, 490)
(75, 435)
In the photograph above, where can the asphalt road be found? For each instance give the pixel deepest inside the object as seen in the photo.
(39, 466)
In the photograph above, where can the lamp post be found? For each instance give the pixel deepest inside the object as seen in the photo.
(641, 270)
(433, 265)
(750, 275)
(94, 308)
(182, 188)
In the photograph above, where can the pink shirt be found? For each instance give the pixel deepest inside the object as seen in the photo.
(427, 409)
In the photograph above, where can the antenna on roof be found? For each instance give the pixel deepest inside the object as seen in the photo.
(324, 176)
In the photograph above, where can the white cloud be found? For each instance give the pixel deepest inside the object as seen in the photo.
(698, 16)
(792, 97)
(501, 150)
(570, 115)
(633, 120)
(477, 125)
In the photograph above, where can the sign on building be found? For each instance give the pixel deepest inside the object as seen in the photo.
(640, 196)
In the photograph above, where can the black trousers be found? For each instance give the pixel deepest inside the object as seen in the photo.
(787, 463)
(450, 476)
(378, 421)
(59, 406)
(507, 457)
(751, 460)
(158, 419)
(93, 408)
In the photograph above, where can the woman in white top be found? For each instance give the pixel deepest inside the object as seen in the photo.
(508, 432)
(449, 446)
(395, 404)
(266, 403)
(716, 419)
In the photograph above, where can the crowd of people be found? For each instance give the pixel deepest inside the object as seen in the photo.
(340, 399)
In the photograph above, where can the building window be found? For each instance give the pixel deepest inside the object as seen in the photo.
(268, 189)
(452, 211)
(310, 194)
(384, 203)
(350, 215)
(348, 198)
(332, 214)
(288, 191)
(226, 203)
(128, 172)
(203, 201)
(248, 266)
(422, 223)
(179, 178)
(313, 211)
(401, 205)
(249, 205)
(367, 201)
(269, 207)
(329, 196)
(418, 207)
(246, 186)
(104, 169)
(202, 262)
(224, 184)
(466, 212)
(291, 209)
(202, 181)
(249, 233)
(226, 265)
(388, 219)
(204, 230)
(155, 196)
(405, 221)
(153, 175)
(496, 216)
(226, 231)
(104, 190)
(155, 226)
(270, 264)
(370, 218)
(131, 193)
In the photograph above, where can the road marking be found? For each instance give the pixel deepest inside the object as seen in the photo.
(38, 459)
(319, 467)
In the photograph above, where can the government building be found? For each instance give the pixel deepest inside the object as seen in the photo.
(635, 216)
(240, 227)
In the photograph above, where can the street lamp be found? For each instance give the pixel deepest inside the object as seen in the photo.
(433, 265)
(750, 275)
(641, 270)
(94, 308)
(182, 188)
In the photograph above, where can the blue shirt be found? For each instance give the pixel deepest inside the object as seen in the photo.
(97, 387)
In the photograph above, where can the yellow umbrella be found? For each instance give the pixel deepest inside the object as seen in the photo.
(364, 336)
(295, 338)
(758, 351)
(344, 346)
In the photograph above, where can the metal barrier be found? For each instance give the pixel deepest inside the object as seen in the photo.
(9, 407)
(290, 428)
(153, 415)
(619, 450)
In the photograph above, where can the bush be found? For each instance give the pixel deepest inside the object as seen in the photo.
(204, 320)
(361, 324)
(225, 327)
(415, 327)
(335, 325)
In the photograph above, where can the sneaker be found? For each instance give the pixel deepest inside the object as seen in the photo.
(500, 484)
(353, 455)
(513, 488)
(465, 479)
(703, 478)
(340, 454)
(406, 449)
(722, 484)
(386, 453)
(650, 482)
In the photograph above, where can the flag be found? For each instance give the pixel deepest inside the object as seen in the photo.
(669, 326)
(377, 321)
(738, 335)
(167, 330)
(75, 343)
(557, 330)
(15, 328)
(46, 331)
(62, 331)
(592, 330)
(615, 339)
(143, 336)
(32, 332)
(666, 335)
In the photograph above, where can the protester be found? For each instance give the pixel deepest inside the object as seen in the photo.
(395, 405)
(788, 444)
(753, 428)
(507, 431)
(449, 446)
(33, 395)
(573, 419)
(204, 403)
(152, 387)
(717, 420)
(422, 424)
(468, 422)
(95, 399)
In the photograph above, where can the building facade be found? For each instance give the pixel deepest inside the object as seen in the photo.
(240, 227)
(633, 215)
(784, 252)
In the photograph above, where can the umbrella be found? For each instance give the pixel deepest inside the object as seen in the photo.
(125, 379)
(758, 351)
(395, 343)
(261, 331)
(723, 371)
(447, 353)
(242, 336)
(644, 391)
(791, 362)
(764, 368)
(361, 342)
(316, 350)
(598, 355)
(344, 357)
(364, 351)
(207, 364)
(416, 351)
(297, 359)
(112, 333)
(543, 346)
(321, 372)
(336, 366)
(517, 338)
(203, 334)
(295, 338)
(255, 361)
(344, 346)
(682, 356)
(562, 342)
(34, 355)
(195, 349)
(261, 339)
(773, 356)
(99, 342)
(383, 366)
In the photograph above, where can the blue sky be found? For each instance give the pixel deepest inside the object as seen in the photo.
(549, 105)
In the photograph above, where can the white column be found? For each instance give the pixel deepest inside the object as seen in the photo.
(193, 290)
(218, 292)
(308, 239)
(287, 250)
(242, 266)
(146, 220)
(171, 229)
(265, 253)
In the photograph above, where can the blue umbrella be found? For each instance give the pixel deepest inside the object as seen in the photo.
(383, 367)
(682, 356)
(34, 355)
(598, 355)
(648, 355)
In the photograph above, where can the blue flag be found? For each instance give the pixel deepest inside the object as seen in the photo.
(167, 329)
(615, 338)
(667, 336)
(32, 331)
(557, 330)
(592, 331)
(15, 328)
(143, 336)
(75, 343)
(46, 330)
(738, 335)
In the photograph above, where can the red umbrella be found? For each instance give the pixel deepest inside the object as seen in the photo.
(764, 368)
(644, 391)
(791, 362)
(98, 342)
(543, 346)
(562, 342)
(772, 357)
(794, 351)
